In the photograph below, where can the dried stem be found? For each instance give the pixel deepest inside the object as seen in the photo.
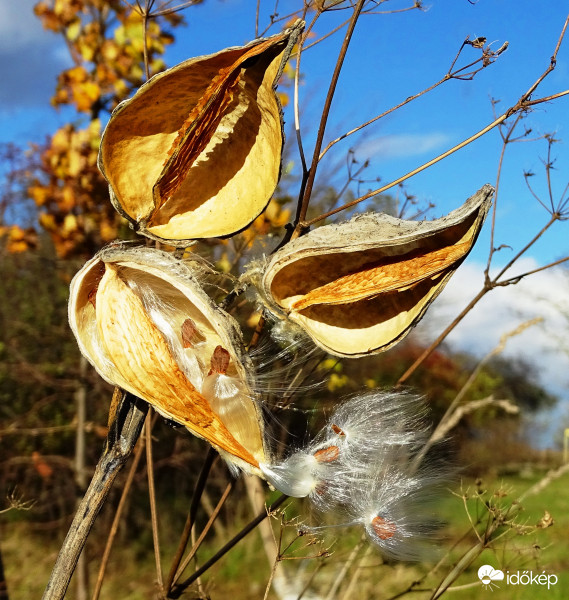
(152, 499)
(204, 531)
(307, 192)
(450, 74)
(550, 476)
(489, 283)
(180, 587)
(257, 18)
(344, 570)
(190, 520)
(454, 413)
(124, 432)
(116, 520)
(296, 109)
(523, 104)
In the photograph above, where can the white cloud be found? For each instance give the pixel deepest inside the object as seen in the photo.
(544, 294)
(544, 346)
(31, 57)
(402, 145)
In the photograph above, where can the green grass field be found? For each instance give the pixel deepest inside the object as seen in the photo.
(244, 572)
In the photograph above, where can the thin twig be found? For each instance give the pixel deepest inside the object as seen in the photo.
(204, 531)
(180, 587)
(521, 105)
(305, 199)
(116, 520)
(550, 476)
(344, 570)
(191, 518)
(295, 106)
(257, 18)
(152, 499)
(450, 74)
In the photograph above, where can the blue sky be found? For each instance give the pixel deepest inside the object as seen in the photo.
(391, 57)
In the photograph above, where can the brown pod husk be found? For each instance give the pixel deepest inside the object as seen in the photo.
(145, 323)
(358, 287)
(196, 152)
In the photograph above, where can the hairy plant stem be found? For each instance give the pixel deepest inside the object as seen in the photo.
(121, 439)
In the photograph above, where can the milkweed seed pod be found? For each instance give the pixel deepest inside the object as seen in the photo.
(144, 322)
(359, 287)
(196, 152)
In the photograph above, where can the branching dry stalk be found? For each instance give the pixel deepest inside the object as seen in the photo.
(521, 106)
(489, 284)
(450, 74)
(455, 411)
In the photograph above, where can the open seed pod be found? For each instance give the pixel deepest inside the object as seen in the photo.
(146, 325)
(196, 152)
(359, 287)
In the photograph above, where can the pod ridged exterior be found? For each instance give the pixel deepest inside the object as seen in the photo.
(358, 287)
(196, 152)
(144, 322)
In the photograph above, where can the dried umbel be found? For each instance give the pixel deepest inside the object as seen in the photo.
(360, 286)
(196, 152)
(144, 322)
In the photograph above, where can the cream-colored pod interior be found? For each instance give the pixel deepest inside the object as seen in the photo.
(144, 322)
(196, 152)
(359, 287)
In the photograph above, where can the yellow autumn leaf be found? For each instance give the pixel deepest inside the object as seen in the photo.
(75, 163)
(85, 94)
(69, 224)
(68, 200)
(47, 221)
(38, 194)
(72, 30)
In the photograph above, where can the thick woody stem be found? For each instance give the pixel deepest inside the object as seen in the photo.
(121, 439)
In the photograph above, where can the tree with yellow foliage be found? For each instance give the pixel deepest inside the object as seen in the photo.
(109, 43)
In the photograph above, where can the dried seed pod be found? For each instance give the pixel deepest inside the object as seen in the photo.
(196, 152)
(146, 325)
(359, 287)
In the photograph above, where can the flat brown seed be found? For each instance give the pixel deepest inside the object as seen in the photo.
(337, 430)
(326, 455)
(383, 528)
(190, 334)
(219, 361)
